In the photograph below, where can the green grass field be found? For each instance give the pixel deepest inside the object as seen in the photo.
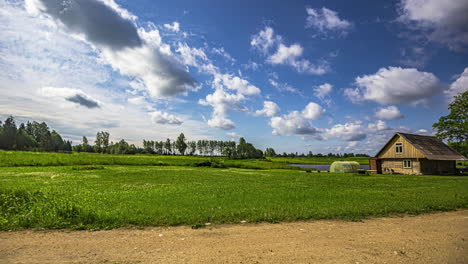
(115, 196)
(90, 194)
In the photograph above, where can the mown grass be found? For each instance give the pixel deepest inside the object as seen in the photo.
(112, 196)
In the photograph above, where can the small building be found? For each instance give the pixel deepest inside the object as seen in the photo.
(415, 154)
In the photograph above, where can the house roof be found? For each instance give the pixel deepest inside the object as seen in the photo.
(431, 147)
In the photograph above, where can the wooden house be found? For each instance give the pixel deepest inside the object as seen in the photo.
(415, 154)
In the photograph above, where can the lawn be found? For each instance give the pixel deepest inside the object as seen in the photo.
(110, 196)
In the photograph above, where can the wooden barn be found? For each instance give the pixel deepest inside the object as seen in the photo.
(415, 154)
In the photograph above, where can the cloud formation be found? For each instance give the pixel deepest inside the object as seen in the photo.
(164, 118)
(175, 26)
(389, 113)
(395, 85)
(444, 22)
(76, 96)
(325, 20)
(297, 123)
(266, 40)
(269, 109)
(460, 85)
(323, 90)
(129, 50)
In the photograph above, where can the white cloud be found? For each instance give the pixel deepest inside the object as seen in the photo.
(285, 55)
(379, 125)
(131, 51)
(297, 123)
(325, 19)
(459, 86)
(165, 118)
(292, 124)
(354, 95)
(313, 111)
(422, 131)
(323, 90)
(175, 26)
(264, 40)
(352, 131)
(444, 22)
(395, 85)
(291, 55)
(233, 82)
(389, 113)
(269, 109)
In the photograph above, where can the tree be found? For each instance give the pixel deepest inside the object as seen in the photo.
(168, 146)
(8, 135)
(180, 144)
(270, 152)
(454, 126)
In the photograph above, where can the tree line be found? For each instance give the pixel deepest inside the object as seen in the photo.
(31, 137)
(35, 136)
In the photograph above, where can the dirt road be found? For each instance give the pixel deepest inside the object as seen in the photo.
(430, 238)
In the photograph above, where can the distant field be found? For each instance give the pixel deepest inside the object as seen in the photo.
(22, 158)
(319, 161)
(117, 196)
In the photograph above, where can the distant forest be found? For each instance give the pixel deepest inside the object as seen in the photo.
(35, 136)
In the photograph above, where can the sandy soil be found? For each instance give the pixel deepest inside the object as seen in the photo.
(430, 238)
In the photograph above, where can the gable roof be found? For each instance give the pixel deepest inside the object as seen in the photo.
(431, 147)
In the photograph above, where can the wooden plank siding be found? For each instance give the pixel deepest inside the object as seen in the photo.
(396, 166)
(408, 150)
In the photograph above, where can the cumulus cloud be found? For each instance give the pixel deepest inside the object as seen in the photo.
(313, 111)
(76, 96)
(389, 113)
(323, 90)
(129, 50)
(160, 117)
(443, 22)
(395, 85)
(379, 125)
(269, 109)
(175, 26)
(352, 131)
(285, 54)
(325, 20)
(293, 123)
(459, 86)
(297, 123)
(266, 40)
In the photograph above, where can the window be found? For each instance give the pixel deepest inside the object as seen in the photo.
(399, 148)
(407, 164)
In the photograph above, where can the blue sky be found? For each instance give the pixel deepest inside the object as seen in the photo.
(320, 76)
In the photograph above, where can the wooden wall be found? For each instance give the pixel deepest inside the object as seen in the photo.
(408, 150)
(396, 166)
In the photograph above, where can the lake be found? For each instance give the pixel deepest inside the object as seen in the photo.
(321, 166)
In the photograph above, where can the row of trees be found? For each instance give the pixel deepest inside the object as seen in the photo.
(320, 155)
(31, 137)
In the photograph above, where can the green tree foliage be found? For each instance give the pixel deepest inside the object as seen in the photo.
(32, 136)
(270, 152)
(180, 144)
(454, 126)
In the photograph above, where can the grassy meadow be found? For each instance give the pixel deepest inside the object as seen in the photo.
(84, 191)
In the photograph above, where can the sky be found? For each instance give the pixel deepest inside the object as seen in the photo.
(298, 76)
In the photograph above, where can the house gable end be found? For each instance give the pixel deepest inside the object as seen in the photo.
(407, 149)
